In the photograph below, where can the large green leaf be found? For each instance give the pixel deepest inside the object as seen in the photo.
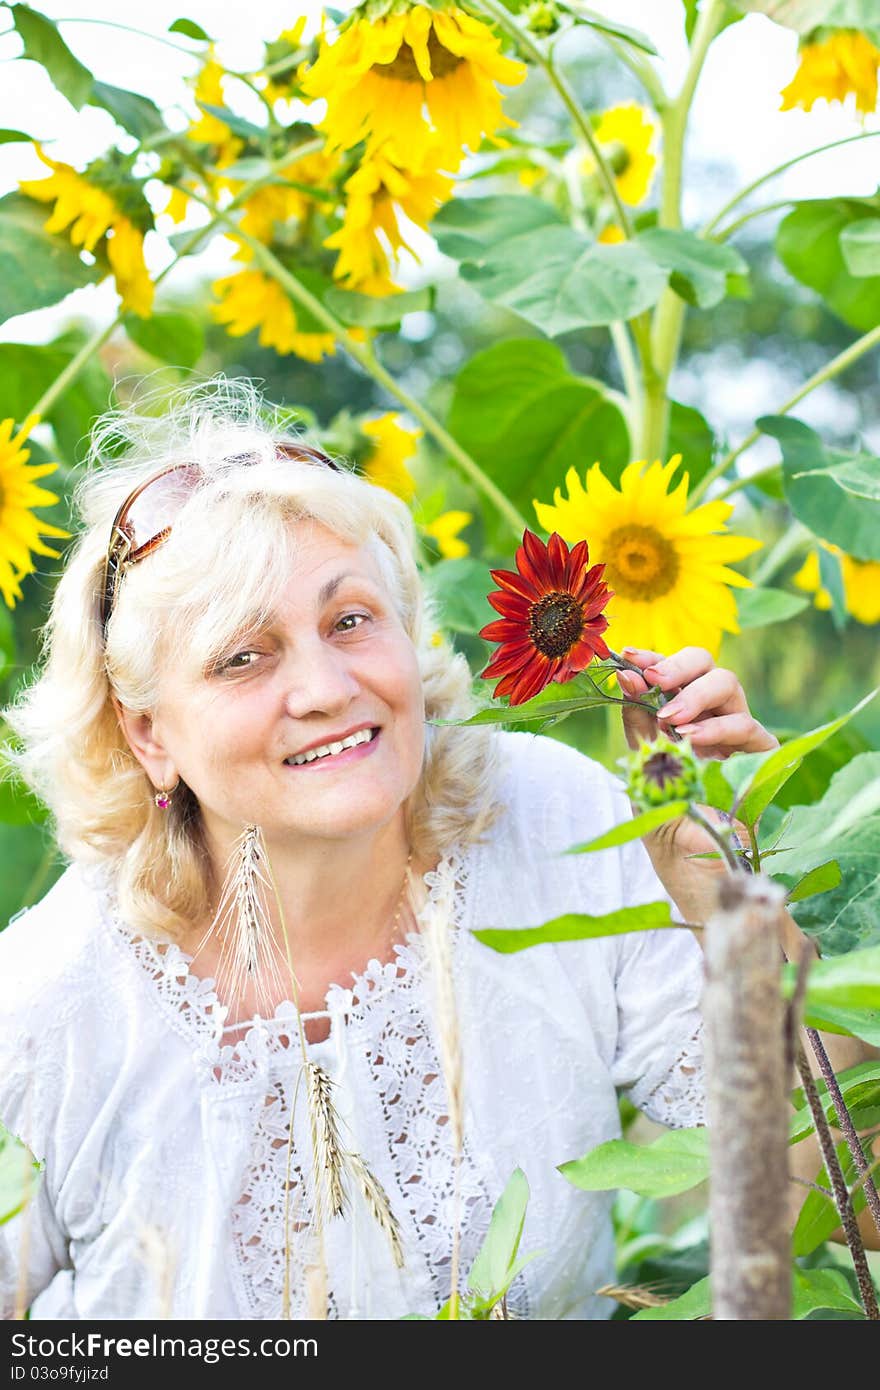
(460, 588)
(373, 311)
(808, 242)
(135, 113)
(526, 418)
(860, 1087)
(675, 1162)
(813, 777)
(860, 244)
(853, 1023)
(43, 43)
(632, 829)
(807, 15)
(583, 15)
(833, 492)
(691, 1306)
(698, 270)
(818, 1217)
(36, 269)
(844, 825)
(763, 607)
(27, 370)
(812, 1290)
(466, 227)
(172, 337)
(819, 880)
(690, 435)
(850, 981)
(577, 926)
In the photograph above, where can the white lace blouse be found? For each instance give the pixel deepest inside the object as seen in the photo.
(165, 1150)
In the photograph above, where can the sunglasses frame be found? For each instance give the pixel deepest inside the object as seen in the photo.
(120, 552)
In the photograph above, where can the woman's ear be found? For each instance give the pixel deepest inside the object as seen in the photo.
(140, 734)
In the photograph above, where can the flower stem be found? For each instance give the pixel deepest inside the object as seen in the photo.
(729, 230)
(366, 358)
(845, 1123)
(740, 197)
(831, 369)
(796, 538)
(720, 838)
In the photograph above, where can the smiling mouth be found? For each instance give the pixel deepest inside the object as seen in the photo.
(329, 752)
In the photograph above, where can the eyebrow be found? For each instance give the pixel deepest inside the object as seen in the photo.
(328, 589)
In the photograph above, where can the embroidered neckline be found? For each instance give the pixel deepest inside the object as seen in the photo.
(190, 1003)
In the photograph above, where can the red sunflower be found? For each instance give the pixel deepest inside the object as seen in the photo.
(551, 617)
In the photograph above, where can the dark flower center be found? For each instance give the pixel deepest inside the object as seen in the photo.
(403, 67)
(555, 623)
(640, 564)
(661, 768)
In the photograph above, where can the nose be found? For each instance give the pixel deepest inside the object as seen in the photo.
(318, 680)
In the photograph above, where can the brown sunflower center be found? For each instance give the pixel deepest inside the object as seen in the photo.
(404, 68)
(555, 623)
(618, 156)
(641, 564)
(661, 768)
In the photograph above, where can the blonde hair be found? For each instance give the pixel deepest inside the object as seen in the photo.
(229, 551)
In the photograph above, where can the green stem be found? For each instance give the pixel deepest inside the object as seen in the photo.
(669, 314)
(728, 231)
(580, 121)
(367, 359)
(739, 483)
(779, 169)
(795, 538)
(128, 29)
(831, 369)
(74, 367)
(641, 69)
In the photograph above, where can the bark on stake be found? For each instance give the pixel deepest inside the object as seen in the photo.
(747, 1103)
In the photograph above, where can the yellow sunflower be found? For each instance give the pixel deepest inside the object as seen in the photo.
(626, 135)
(93, 217)
(288, 42)
(209, 129)
(843, 61)
(421, 78)
(370, 233)
(250, 299)
(279, 203)
(20, 530)
(445, 528)
(668, 567)
(861, 584)
(392, 445)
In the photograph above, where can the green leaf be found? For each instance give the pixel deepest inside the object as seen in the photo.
(374, 311)
(175, 338)
(237, 124)
(676, 1162)
(466, 227)
(577, 926)
(691, 436)
(696, 1303)
(9, 137)
(526, 418)
(536, 708)
(459, 588)
(763, 607)
(19, 1176)
(190, 29)
(490, 1270)
(831, 580)
(809, 244)
(36, 269)
(698, 270)
(815, 1289)
(632, 829)
(860, 244)
(853, 1023)
(135, 113)
(27, 370)
(833, 492)
(845, 825)
(818, 1218)
(43, 43)
(818, 880)
(634, 37)
(807, 15)
(851, 981)
(860, 1087)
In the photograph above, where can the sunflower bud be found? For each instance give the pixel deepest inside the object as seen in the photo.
(542, 18)
(663, 771)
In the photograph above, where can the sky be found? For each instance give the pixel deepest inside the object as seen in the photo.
(736, 118)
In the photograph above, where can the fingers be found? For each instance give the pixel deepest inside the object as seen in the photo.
(718, 690)
(681, 668)
(729, 733)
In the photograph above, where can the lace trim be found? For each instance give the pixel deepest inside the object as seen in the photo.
(678, 1100)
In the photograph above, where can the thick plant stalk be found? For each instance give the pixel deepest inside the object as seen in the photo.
(746, 1082)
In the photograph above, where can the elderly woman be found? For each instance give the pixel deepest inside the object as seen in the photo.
(268, 1069)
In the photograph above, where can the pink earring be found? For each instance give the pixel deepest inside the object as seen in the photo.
(164, 794)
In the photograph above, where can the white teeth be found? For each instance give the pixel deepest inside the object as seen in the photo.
(327, 750)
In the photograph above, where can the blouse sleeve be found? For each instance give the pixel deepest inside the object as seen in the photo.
(659, 982)
(33, 1247)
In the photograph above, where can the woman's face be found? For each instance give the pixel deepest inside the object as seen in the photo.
(334, 661)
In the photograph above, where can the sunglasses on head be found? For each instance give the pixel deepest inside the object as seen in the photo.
(146, 516)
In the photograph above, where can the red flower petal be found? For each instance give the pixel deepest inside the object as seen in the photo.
(515, 582)
(502, 630)
(510, 605)
(557, 554)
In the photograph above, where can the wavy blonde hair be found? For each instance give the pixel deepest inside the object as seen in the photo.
(229, 551)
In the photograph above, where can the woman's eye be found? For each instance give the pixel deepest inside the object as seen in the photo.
(355, 619)
(239, 661)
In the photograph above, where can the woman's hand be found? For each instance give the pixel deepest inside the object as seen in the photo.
(710, 706)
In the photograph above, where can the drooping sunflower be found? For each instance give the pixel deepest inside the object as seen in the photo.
(279, 203)
(392, 445)
(444, 530)
(20, 530)
(96, 220)
(861, 584)
(668, 567)
(250, 299)
(376, 194)
(627, 136)
(551, 620)
(210, 129)
(422, 77)
(833, 64)
(284, 50)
